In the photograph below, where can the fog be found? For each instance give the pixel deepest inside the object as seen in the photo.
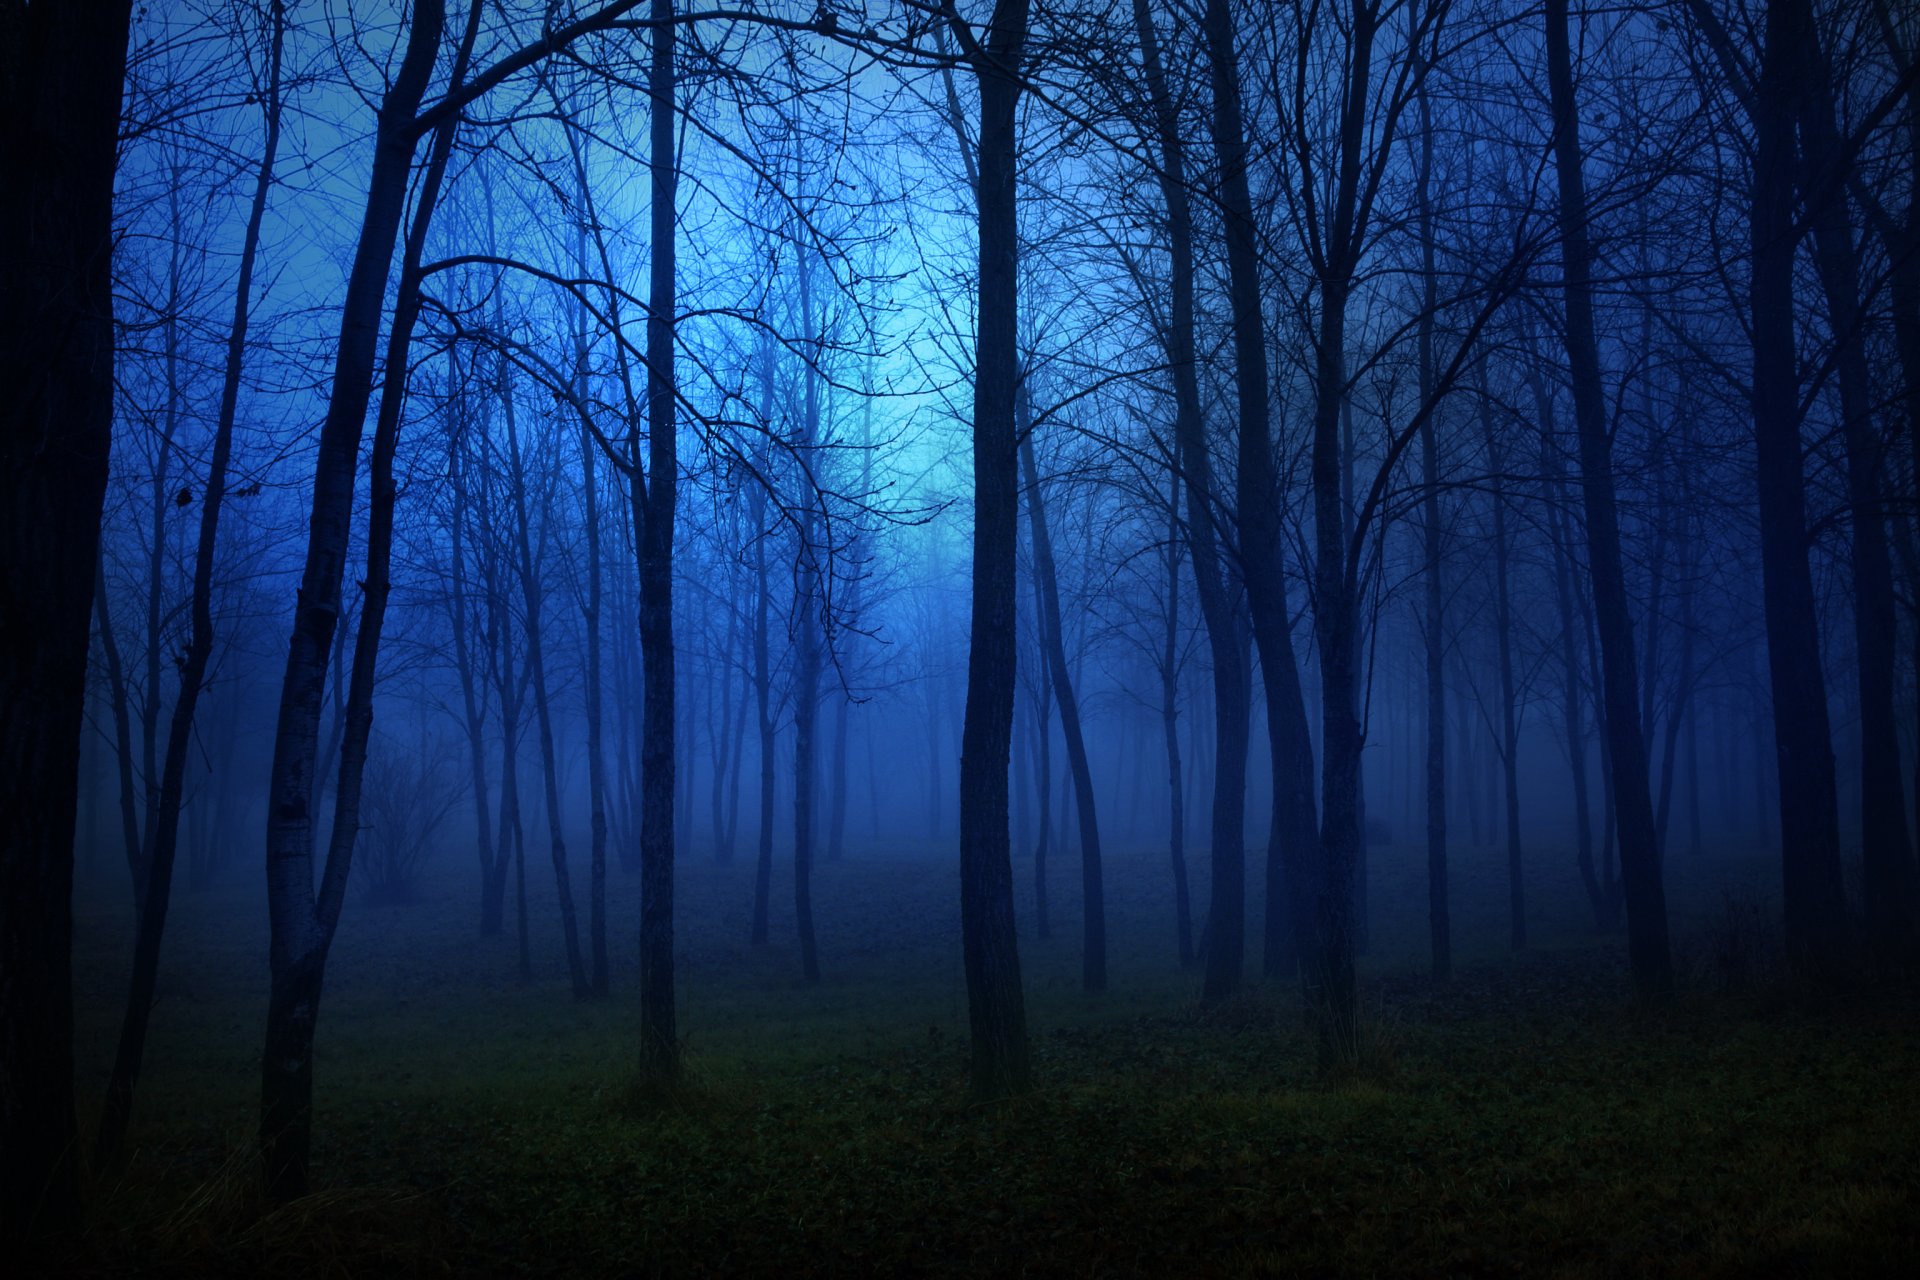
(966, 545)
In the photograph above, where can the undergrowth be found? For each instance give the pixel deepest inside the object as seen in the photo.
(1526, 1118)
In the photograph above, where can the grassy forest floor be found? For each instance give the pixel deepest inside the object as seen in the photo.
(1525, 1119)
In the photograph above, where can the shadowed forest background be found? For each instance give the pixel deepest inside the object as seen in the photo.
(1191, 636)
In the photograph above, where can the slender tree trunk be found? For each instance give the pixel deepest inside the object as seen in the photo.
(763, 666)
(122, 737)
(513, 831)
(164, 824)
(1224, 937)
(1043, 783)
(161, 501)
(1170, 727)
(1572, 700)
(1646, 900)
(1292, 836)
(472, 700)
(806, 658)
(1509, 712)
(532, 597)
(724, 745)
(1093, 953)
(1439, 911)
(654, 499)
(837, 788)
(596, 737)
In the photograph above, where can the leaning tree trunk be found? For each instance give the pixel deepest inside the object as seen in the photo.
(531, 598)
(163, 828)
(302, 926)
(61, 68)
(1646, 899)
(1223, 938)
(1093, 951)
(1292, 837)
(990, 950)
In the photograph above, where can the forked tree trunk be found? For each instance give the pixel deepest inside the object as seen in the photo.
(302, 925)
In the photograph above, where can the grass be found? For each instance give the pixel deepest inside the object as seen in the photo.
(1526, 1119)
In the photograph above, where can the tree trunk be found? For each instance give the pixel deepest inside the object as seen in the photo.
(1170, 728)
(1224, 937)
(1646, 901)
(1885, 861)
(762, 662)
(1509, 714)
(1439, 911)
(533, 601)
(122, 737)
(596, 743)
(1572, 698)
(1813, 898)
(472, 699)
(1043, 783)
(1093, 952)
(302, 925)
(806, 657)
(62, 71)
(1291, 837)
(654, 497)
(995, 1001)
(164, 824)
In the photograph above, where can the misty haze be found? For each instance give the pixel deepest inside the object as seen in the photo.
(960, 637)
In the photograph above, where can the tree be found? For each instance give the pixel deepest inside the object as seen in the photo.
(62, 68)
(995, 1002)
(1645, 890)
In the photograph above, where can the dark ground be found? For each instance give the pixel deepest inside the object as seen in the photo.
(1524, 1120)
